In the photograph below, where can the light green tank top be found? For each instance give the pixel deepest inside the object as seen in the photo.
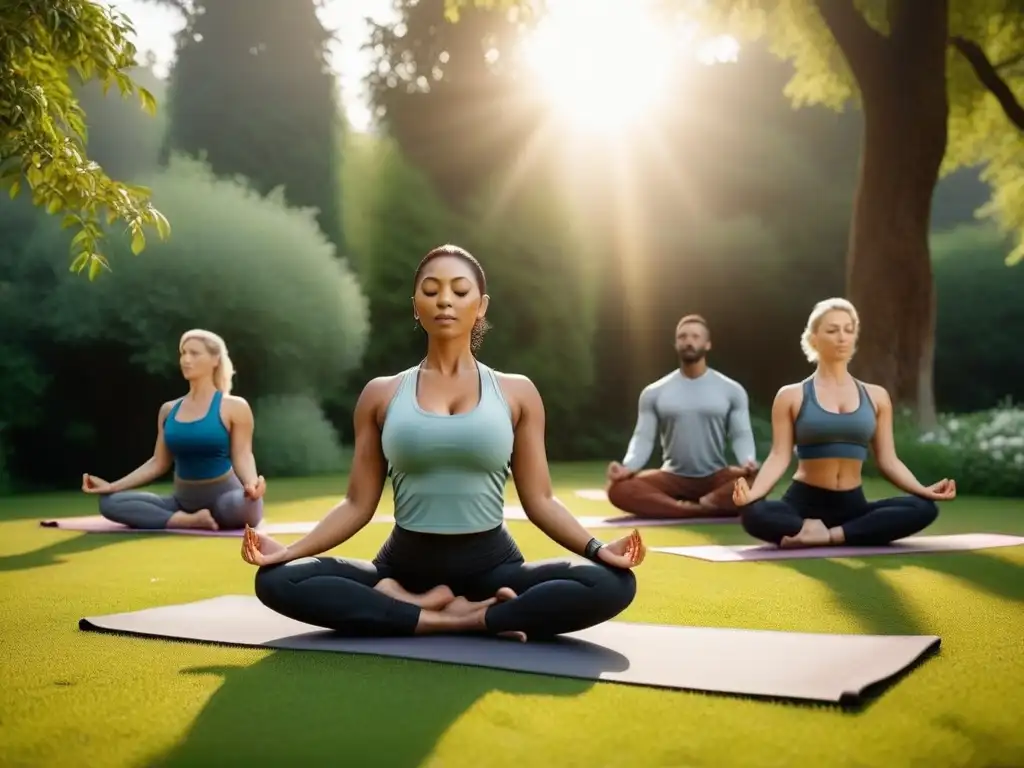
(448, 472)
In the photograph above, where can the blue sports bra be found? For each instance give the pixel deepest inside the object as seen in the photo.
(201, 448)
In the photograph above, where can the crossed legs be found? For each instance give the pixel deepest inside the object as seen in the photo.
(810, 516)
(210, 506)
(655, 493)
(360, 599)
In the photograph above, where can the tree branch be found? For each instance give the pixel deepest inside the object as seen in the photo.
(988, 76)
(1012, 61)
(859, 42)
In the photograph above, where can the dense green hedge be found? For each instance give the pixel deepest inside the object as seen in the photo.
(88, 364)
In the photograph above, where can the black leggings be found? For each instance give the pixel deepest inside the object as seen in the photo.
(864, 523)
(554, 596)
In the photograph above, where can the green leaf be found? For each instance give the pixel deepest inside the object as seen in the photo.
(95, 266)
(15, 188)
(81, 237)
(163, 227)
(138, 240)
(148, 101)
(79, 263)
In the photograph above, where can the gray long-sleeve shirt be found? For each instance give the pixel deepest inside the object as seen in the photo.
(693, 418)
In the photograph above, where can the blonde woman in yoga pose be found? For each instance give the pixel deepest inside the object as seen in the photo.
(207, 437)
(833, 420)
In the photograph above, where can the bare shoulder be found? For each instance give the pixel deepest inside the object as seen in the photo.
(788, 399)
(378, 393)
(381, 388)
(515, 381)
(517, 388)
(236, 404)
(879, 395)
(165, 409)
(790, 394)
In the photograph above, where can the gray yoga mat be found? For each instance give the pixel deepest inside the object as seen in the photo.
(788, 665)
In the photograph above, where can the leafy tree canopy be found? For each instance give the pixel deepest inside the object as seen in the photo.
(43, 44)
(832, 43)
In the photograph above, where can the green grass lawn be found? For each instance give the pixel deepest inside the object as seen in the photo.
(74, 698)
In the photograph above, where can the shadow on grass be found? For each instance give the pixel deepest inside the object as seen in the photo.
(862, 591)
(302, 709)
(1001, 746)
(56, 553)
(991, 574)
(860, 588)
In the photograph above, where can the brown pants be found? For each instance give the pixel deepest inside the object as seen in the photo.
(655, 493)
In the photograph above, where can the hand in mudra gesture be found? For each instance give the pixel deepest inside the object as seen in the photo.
(93, 484)
(256, 489)
(627, 552)
(741, 495)
(944, 490)
(259, 549)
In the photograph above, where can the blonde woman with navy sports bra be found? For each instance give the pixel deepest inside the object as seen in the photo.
(207, 437)
(833, 420)
(448, 431)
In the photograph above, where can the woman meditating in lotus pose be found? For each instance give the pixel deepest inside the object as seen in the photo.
(207, 436)
(833, 419)
(448, 431)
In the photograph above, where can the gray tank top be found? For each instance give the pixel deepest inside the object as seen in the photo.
(821, 434)
(448, 472)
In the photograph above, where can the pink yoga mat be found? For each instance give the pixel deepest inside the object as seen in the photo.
(99, 524)
(912, 545)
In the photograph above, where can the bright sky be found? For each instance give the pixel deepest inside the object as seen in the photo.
(155, 26)
(568, 55)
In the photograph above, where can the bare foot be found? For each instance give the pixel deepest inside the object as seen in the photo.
(502, 595)
(814, 533)
(688, 506)
(201, 519)
(460, 606)
(465, 616)
(433, 600)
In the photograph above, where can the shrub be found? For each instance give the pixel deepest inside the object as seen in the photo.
(982, 451)
(293, 438)
(977, 338)
(258, 273)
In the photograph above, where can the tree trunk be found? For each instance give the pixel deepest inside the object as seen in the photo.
(889, 274)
